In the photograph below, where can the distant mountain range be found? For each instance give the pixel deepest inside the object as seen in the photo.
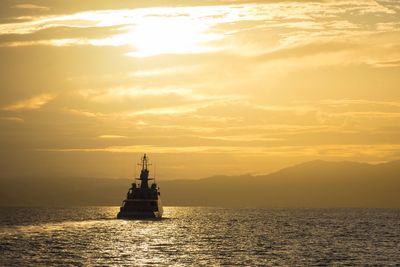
(315, 184)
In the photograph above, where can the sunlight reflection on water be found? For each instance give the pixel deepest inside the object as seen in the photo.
(199, 236)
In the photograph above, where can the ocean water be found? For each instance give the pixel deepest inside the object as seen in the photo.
(91, 236)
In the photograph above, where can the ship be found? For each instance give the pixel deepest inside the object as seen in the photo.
(142, 201)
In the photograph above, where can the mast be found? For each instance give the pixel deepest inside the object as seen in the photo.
(144, 173)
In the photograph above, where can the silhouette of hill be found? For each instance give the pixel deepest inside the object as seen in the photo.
(311, 184)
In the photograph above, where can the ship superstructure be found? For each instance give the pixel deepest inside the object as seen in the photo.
(142, 200)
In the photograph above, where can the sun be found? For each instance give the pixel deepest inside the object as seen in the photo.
(158, 31)
(170, 35)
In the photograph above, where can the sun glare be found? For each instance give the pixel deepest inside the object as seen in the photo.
(177, 35)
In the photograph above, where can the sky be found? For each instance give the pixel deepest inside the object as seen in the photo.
(203, 87)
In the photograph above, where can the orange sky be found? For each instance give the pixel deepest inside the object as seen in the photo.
(203, 87)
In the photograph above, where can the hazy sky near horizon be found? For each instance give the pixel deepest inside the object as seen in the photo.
(204, 87)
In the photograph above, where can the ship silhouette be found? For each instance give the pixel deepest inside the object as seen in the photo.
(142, 201)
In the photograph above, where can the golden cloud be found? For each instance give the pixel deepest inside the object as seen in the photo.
(35, 102)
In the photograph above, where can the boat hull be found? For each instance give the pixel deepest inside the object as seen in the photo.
(140, 212)
(139, 215)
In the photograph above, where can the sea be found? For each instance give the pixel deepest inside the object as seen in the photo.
(200, 236)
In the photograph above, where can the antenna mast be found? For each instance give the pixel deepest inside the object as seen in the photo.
(154, 173)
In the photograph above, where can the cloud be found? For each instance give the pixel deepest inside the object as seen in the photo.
(123, 93)
(110, 136)
(52, 42)
(51, 36)
(309, 49)
(299, 109)
(273, 33)
(84, 113)
(244, 138)
(386, 64)
(31, 6)
(177, 110)
(164, 71)
(339, 102)
(12, 119)
(35, 102)
(367, 114)
(139, 101)
(286, 79)
(337, 151)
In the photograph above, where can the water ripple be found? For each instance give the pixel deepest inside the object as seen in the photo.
(199, 236)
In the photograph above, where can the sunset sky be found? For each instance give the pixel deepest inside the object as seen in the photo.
(204, 87)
